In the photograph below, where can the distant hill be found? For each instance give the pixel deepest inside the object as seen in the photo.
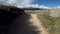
(30, 8)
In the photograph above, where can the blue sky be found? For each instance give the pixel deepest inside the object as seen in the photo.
(33, 3)
(49, 3)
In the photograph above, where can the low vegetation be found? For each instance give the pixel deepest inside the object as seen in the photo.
(52, 24)
(8, 15)
(13, 9)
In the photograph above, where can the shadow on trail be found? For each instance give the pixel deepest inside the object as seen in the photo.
(20, 25)
(24, 26)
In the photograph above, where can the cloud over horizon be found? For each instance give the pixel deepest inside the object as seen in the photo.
(16, 2)
(36, 6)
(24, 4)
(21, 3)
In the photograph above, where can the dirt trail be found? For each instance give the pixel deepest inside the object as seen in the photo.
(26, 24)
(36, 23)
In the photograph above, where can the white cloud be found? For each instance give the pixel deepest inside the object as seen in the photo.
(23, 3)
(37, 6)
(57, 7)
(20, 3)
(16, 2)
(44, 7)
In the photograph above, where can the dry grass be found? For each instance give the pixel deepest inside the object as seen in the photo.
(52, 24)
(37, 11)
(50, 19)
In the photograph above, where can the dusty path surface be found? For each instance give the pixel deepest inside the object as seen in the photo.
(36, 23)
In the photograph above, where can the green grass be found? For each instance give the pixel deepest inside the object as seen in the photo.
(52, 24)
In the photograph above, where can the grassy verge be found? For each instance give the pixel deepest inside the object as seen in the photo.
(52, 24)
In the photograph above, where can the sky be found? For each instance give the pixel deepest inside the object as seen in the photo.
(48, 4)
